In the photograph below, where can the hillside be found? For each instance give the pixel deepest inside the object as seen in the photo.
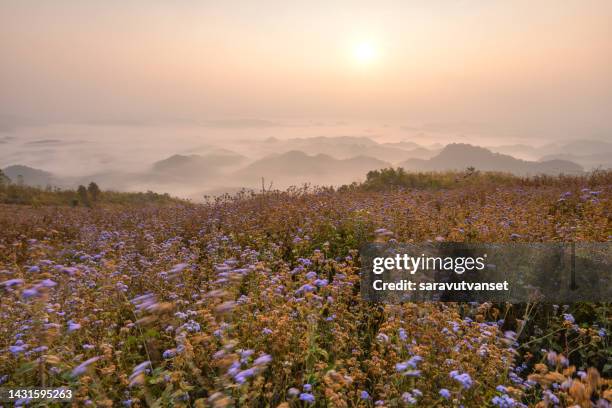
(299, 167)
(37, 197)
(579, 151)
(345, 147)
(257, 300)
(586, 147)
(189, 167)
(459, 156)
(213, 169)
(29, 175)
(588, 161)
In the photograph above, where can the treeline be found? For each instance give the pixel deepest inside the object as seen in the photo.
(83, 196)
(399, 178)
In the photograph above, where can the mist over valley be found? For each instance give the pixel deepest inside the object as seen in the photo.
(191, 162)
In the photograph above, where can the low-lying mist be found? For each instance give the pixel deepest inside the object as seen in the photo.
(214, 157)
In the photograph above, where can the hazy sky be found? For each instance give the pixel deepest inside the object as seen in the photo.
(521, 68)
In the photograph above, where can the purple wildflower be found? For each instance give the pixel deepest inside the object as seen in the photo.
(30, 293)
(464, 379)
(82, 368)
(264, 359)
(444, 393)
(72, 326)
(306, 397)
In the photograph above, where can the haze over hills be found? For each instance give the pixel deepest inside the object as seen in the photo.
(189, 167)
(586, 147)
(459, 156)
(404, 145)
(29, 176)
(321, 160)
(590, 154)
(589, 162)
(298, 167)
(345, 147)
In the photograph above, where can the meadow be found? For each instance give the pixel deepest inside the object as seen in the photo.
(253, 300)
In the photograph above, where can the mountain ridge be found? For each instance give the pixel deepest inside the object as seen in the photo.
(458, 156)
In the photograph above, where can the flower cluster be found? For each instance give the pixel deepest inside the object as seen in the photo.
(255, 301)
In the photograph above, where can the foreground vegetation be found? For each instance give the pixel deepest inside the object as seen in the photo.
(15, 193)
(254, 300)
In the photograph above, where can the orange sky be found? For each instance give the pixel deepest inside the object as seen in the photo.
(521, 67)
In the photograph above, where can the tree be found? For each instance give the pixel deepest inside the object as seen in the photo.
(83, 196)
(4, 180)
(470, 171)
(94, 191)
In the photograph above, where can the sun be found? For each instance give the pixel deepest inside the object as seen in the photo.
(365, 53)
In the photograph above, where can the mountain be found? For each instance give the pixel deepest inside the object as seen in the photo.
(29, 176)
(403, 145)
(296, 167)
(586, 147)
(577, 148)
(523, 151)
(590, 154)
(345, 147)
(422, 153)
(335, 140)
(459, 156)
(189, 167)
(589, 162)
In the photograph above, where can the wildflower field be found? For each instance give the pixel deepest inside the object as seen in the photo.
(254, 301)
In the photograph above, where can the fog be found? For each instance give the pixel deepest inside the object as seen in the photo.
(102, 90)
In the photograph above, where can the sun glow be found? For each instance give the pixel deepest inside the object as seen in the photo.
(365, 53)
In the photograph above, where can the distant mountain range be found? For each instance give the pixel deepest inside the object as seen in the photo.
(321, 160)
(460, 156)
(299, 167)
(189, 167)
(346, 147)
(29, 176)
(590, 154)
(589, 161)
